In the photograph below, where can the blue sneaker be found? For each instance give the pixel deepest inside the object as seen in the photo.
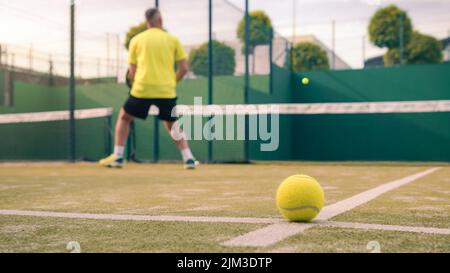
(190, 164)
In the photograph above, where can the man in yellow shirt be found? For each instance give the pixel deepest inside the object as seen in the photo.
(152, 56)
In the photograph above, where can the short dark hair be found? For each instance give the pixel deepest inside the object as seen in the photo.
(152, 14)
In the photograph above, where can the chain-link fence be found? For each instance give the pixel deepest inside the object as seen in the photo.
(29, 60)
(100, 51)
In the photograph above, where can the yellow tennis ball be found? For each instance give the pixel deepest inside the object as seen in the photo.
(305, 81)
(300, 198)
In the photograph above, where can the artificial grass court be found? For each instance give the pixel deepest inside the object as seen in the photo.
(214, 191)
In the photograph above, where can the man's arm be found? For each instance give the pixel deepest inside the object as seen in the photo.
(182, 69)
(132, 72)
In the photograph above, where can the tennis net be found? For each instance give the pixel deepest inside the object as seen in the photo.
(383, 107)
(45, 135)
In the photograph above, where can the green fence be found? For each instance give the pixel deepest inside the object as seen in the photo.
(391, 136)
(346, 136)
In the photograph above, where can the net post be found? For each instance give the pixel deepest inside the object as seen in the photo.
(246, 77)
(72, 147)
(210, 73)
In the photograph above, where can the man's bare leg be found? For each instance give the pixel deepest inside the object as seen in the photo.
(120, 137)
(122, 128)
(181, 143)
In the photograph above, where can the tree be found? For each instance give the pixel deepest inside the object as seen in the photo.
(392, 57)
(224, 62)
(424, 49)
(135, 30)
(421, 49)
(260, 30)
(385, 27)
(308, 56)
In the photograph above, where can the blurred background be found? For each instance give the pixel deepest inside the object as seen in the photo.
(34, 34)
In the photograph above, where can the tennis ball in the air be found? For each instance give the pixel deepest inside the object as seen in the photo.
(305, 81)
(300, 198)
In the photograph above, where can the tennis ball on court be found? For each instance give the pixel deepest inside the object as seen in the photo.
(305, 81)
(300, 198)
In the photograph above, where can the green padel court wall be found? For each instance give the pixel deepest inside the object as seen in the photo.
(408, 137)
(403, 136)
(49, 140)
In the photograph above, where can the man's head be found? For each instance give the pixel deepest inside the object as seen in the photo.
(154, 18)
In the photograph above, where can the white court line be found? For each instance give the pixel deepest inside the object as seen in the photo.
(428, 230)
(282, 224)
(130, 217)
(272, 234)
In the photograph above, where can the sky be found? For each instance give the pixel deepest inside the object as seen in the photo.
(44, 24)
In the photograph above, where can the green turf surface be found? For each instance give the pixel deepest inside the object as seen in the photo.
(322, 239)
(426, 202)
(215, 190)
(31, 234)
(211, 190)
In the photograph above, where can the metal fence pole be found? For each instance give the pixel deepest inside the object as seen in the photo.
(364, 51)
(6, 56)
(108, 56)
(30, 57)
(50, 71)
(98, 68)
(210, 73)
(246, 78)
(9, 88)
(117, 56)
(448, 48)
(72, 132)
(271, 61)
(291, 57)
(333, 44)
(401, 40)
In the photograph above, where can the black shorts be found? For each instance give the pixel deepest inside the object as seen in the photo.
(139, 108)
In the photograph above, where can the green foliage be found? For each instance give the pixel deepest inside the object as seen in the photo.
(424, 49)
(135, 30)
(421, 49)
(392, 57)
(308, 56)
(385, 25)
(260, 30)
(224, 62)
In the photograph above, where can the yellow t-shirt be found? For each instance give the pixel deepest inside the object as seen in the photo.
(155, 53)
